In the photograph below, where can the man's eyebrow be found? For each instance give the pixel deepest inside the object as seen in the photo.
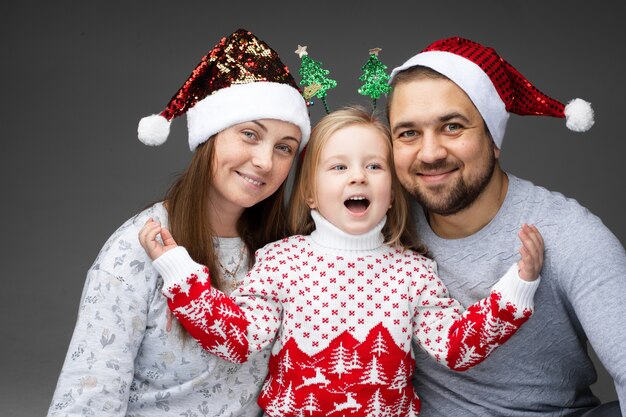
(442, 119)
(454, 115)
(402, 125)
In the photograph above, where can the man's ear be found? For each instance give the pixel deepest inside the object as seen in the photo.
(496, 152)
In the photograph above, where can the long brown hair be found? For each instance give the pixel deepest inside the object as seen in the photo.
(399, 228)
(187, 203)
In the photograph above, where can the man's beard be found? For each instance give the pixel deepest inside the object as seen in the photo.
(461, 196)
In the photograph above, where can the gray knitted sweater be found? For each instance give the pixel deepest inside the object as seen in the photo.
(544, 369)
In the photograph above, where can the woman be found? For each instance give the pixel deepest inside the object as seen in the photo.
(246, 121)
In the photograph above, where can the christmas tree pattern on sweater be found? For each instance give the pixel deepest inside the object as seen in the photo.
(342, 325)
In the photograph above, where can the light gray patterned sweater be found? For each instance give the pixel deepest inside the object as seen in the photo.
(545, 369)
(121, 360)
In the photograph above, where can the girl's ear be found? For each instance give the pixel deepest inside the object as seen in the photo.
(310, 202)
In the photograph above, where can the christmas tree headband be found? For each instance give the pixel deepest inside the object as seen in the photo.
(316, 83)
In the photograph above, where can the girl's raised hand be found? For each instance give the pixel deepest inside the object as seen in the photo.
(532, 253)
(148, 239)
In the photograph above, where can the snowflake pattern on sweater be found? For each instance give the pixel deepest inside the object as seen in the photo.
(342, 324)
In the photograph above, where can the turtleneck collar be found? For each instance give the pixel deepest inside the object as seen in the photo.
(330, 236)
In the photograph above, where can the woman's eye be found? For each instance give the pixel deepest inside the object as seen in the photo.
(249, 134)
(284, 148)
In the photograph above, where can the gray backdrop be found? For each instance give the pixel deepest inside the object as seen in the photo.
(78, 75)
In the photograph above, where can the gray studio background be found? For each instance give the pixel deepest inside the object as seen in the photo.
(78, 75)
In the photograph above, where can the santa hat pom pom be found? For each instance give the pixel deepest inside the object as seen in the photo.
(579, 115)
(153, 130)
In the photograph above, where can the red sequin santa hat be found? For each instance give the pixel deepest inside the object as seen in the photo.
(239, 80)
(494, 86)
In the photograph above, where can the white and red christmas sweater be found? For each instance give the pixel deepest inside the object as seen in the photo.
(341, 311)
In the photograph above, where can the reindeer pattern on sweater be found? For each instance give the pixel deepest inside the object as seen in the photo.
(341, 323)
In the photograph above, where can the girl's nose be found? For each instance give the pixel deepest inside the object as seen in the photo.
(358, 176)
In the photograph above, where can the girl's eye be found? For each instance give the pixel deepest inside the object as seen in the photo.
(340, 168)
(374, 166)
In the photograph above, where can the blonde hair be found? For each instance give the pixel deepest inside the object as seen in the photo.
(399, 228)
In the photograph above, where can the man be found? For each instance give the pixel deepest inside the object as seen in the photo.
(447, 112)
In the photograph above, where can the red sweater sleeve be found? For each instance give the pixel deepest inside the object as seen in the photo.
(229, 327)
(461, 338)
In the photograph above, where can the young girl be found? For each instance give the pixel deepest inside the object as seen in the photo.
(246, 124)
(342, 300)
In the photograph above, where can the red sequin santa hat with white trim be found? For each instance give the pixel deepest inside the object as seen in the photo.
(239, 80)
(494, 86)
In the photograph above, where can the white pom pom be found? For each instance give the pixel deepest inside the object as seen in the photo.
(579, 115)
(153, 130)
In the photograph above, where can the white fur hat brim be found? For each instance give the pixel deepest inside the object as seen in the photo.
(471, 79)
(241, 103)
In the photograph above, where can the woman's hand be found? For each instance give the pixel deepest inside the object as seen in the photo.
(148, 239)
(532, 253)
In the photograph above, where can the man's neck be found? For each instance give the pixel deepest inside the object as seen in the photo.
(476, 216)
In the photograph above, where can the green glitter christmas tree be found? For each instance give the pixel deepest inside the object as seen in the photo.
(375, 77)
(314, 78)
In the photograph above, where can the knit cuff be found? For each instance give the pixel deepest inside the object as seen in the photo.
(175, 266)
(515, 290)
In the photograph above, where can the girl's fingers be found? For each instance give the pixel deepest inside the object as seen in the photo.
(152, 234)
(528, 262)
(147, 234)
(536, 237)
(531, 240)
(531, 251)
(524, 252)
(168, 239)
(527, 242)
